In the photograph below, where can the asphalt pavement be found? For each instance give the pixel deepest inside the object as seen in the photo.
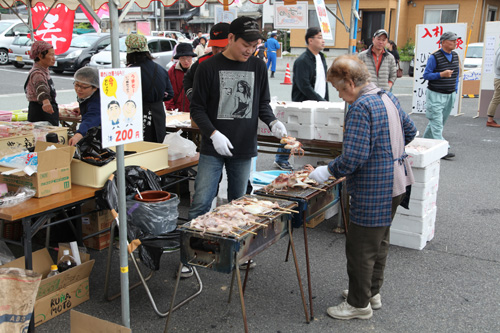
(452, 285)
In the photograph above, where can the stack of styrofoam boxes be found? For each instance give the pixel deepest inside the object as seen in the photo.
(414, 227)
(329, 121)
(298, 118)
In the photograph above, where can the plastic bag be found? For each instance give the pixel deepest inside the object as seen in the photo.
(89, 149)
(5, 254)
(21, 195)
(179, 147)
(155, 218)
(23, 160)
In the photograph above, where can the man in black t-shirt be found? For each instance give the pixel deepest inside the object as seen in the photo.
(230, 94)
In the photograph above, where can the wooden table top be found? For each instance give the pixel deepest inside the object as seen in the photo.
(36, 206)
(179, 164)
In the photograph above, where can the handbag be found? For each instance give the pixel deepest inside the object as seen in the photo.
(399, 72)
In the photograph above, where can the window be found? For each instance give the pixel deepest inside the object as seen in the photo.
(165, 46)
(154, 46)
(313, 22)
(440, 14)
(492, 13)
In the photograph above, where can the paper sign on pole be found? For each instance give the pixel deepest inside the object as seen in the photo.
(121, 106)
(226, 16)
(324, 23)
(291, 16)
(427, 41)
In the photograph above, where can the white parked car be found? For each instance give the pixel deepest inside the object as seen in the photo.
(474, 56)
(161, 49)
(8, 31)
(168, 33)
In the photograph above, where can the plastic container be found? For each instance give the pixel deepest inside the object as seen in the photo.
(153, 196)
(53, 271)
(66, 262)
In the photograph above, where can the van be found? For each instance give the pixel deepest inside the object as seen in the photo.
(8, 31)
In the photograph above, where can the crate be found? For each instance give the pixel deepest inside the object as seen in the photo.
(422, 175)
(151, 155)
(422, 152)
(312, 223)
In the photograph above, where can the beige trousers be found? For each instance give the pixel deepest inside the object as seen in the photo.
(495, 101)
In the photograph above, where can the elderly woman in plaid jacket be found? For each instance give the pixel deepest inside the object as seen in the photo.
(374, 163)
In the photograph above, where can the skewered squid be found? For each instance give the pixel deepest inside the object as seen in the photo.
(291, 143)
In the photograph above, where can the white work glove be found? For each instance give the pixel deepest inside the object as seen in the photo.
(278, 129)
(221, 144)
(320, 174)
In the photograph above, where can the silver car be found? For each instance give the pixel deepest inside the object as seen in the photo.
(19, 51)
(161, 49)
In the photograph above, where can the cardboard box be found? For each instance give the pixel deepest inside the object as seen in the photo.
(96, 221)
(153, 156)
(99, 242)
(53, 175)
(61, 292)
(28, 141)
(83, 323)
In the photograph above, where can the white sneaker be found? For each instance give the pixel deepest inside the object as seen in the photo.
(375, 301)
(345, 311)
(186, 272)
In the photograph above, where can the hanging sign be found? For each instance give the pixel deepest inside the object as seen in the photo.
(56, 29)
(324, 23)
(121, 105)
(291, 16)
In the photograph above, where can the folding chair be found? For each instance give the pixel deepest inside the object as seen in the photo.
(154, 245)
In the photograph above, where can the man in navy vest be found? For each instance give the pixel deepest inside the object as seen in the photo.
(442, 72)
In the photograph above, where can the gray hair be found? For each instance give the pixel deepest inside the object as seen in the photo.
(88, 75)
(348, 67)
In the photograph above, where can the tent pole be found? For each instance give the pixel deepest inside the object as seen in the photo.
(120, 168)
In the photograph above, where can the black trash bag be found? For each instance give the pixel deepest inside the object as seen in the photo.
(136, 177)
(142, 179)
(405, 203)
(89, 149)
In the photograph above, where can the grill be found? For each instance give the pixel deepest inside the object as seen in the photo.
(225, 253)
(222, 253)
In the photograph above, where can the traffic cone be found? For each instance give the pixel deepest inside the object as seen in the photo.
(288, 79)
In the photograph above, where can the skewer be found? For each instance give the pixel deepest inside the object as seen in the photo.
(261, 224)
(235, 233)
(290, 210)
(317, 188)
(283, 211)
(262, 215)
(253, 233)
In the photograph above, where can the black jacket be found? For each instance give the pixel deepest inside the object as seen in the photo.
(304, 78)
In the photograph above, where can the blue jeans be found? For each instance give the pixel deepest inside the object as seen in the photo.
(207, 179)
(282, 158)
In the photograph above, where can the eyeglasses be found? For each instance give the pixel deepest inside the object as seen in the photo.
(79, 86)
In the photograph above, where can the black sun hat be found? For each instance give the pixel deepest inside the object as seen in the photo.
(184, 50)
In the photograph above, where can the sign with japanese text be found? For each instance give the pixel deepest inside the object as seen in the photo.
(427, 41)
(291, 16)
(324, 23)
(121, 105)
(490, 52)
(56, 29)
(226, 16)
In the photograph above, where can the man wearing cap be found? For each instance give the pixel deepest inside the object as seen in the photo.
(218, 43)
(381, 64)
(184, 53)
(229, 138)
(442, 74)
(272, 46)
(309, 81)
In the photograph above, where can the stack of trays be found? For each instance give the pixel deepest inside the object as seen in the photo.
(414, 227)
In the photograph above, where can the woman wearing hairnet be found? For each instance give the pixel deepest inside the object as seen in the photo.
(156, 87)
(87, 91)
(39, 88)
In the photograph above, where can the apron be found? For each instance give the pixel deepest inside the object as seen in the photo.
(35, 111)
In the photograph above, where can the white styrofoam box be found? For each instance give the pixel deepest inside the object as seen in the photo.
(263, 129)
(422, 152)
(418, 225)
(328, 133)
(332, 211)
(432, 229)
(407, 239)
(422, 191)
(300, 131)
(331, 106)
(326, 117)
(420, 208)
(422, 175)
(296, 112)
